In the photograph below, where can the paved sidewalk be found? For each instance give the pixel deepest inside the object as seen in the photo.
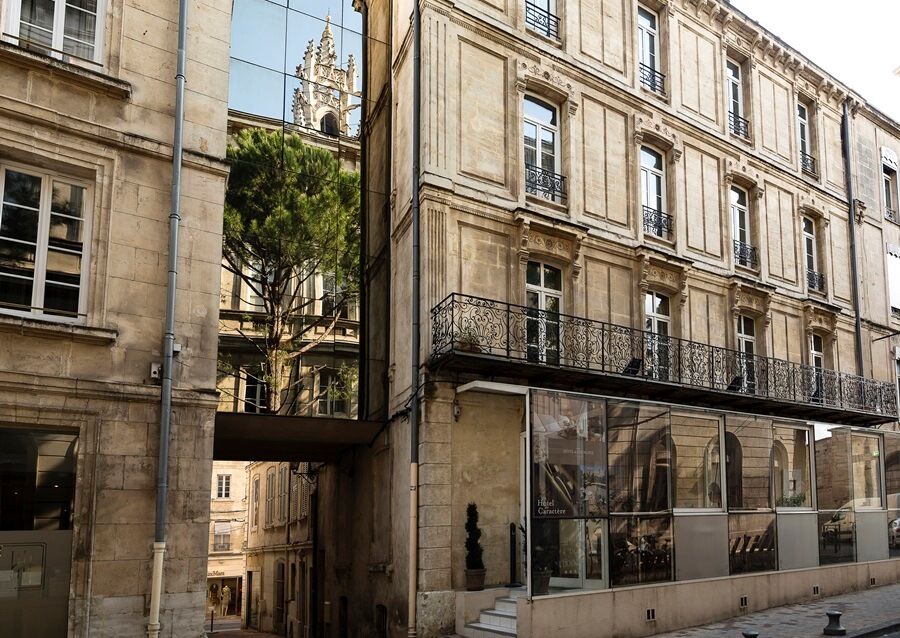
(861, 610)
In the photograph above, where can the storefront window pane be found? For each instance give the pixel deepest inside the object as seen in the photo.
(892, 469)
(748, 453)
(697, 474)
(641, 549)
(751, 543)
(790, 467)
(832, 450)
(866, 451)
(568, 451)
(837, 536)
(639, 457)
(894, 533)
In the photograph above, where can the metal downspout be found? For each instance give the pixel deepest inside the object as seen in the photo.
(415, 336)
(851, 206)
(165, 412)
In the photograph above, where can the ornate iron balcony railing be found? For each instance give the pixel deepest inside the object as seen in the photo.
(745, 255)
(542, 20)
(808, 164)
(738, 125)
(652, 79)
(463, 324)
(890, 214)
(547, 184)
(658, 223)
(815, 280)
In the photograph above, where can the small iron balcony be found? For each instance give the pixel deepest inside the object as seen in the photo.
(658, 223)
(652, 79)
(541, 20)
(738, 125)
(547, 184)
(503, 339)
(808, 164)
(890, 214)
(815, 281)
(745, 255)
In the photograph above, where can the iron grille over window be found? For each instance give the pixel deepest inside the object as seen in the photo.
(890, 214)
(657, 222)
(808, 164)
(547, 184)
(498, 332)
(652, 79)
(541, 20)
(745, 254)
(815, 280)
(738, 125)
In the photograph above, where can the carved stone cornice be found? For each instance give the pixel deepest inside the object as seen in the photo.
(536, 239)
(810, 206)
(548, 82)
(750, 300)
(660, 273)
(817, 318)
(740, 172)
(649, 128)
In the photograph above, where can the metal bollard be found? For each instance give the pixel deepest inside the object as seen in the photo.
(750, 634)
(834, 627)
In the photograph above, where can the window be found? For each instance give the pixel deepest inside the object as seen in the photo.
(329, 125)
(745, 254)
(657, 323)
(223, 486)
(270, 496)
(865, 453)
(252, 298)
(540, 16)
(746, 342)
(815, 280)
(283, 480)
(70, 27)
(543, 296)
(889, 178)
(893, 271)
(804, 133)
(43, 260)
(653, 193)
(648, 51)
(817, 361)
(541, 139)
(332, 395)
(697, 471)
(256, 390)
(221, 537)
(254, 502)
(734, 85)
(790, 467)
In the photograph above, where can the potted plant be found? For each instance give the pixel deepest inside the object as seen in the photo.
(474, 562)
(468, 339)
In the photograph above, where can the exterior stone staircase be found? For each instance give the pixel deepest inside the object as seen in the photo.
(498, 621)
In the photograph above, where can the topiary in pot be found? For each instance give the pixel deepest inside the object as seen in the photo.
(474, 551)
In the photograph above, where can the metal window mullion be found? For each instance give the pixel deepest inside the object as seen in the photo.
(40, 258)
(59, 23)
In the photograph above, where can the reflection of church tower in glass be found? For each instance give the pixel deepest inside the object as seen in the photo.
(322, 101)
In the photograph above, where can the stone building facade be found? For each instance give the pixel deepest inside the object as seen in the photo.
(86, 158)
(227, 539)
(644, 203)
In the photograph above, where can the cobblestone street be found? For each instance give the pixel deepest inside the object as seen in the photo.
(862, 610)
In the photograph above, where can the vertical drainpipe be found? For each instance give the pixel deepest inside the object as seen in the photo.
(415, 336)
(165, 412)
(851, 207)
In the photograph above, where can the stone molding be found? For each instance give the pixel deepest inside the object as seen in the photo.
(749, 300)
(820, 320)
(663, 275)
(536, 239)
(546, 82)
(649, 128)
(740, 172)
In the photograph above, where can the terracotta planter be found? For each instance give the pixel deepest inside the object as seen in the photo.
(474, 579)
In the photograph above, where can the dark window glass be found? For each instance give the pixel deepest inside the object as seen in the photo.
(894, 533)
(837, 536)
(832, 450)
(751, 543)
(641, 549)
(639, 457)
(697, 476)
(748, 453)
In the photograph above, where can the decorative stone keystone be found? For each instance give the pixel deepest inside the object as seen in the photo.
(834, 627)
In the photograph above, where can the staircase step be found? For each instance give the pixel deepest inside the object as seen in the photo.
(498, 618)
(506, 604)
(480, 630)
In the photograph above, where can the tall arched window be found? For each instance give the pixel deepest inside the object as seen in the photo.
(329, 124)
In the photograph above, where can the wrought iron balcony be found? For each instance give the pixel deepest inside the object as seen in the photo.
(652, 79)
(658, 223)
(746, 255)
(547, 184)
(808, 164)
(502, 339)
(890, 215)
(541, 20)
(815, 280)
(738, 125)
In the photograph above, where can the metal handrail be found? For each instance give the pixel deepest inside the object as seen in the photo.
(540, 181)
(541, 20)
(657, 222)
(808, 164)
(745, 254)
(815, 280)
(480, 326)
(738, 125)
(652, 79)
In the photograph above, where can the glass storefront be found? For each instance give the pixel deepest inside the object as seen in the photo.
(612, 480)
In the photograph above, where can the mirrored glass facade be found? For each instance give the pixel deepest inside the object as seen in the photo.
(612, 480)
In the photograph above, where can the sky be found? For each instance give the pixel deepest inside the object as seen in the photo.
(855, 41)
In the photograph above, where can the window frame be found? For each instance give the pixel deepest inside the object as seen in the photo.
(540, 316)
(270, 497)
(223, 486)
(38, 292)
(326, 395)
(804, 128)
(13, 25)
(254, 503)
(816, 354)
(648, 33)
(810, 243)
(555, 129)
(259, 405)
(735, 82)
(889, 192)
(810, 464)
(881, 494)
(657, 174)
